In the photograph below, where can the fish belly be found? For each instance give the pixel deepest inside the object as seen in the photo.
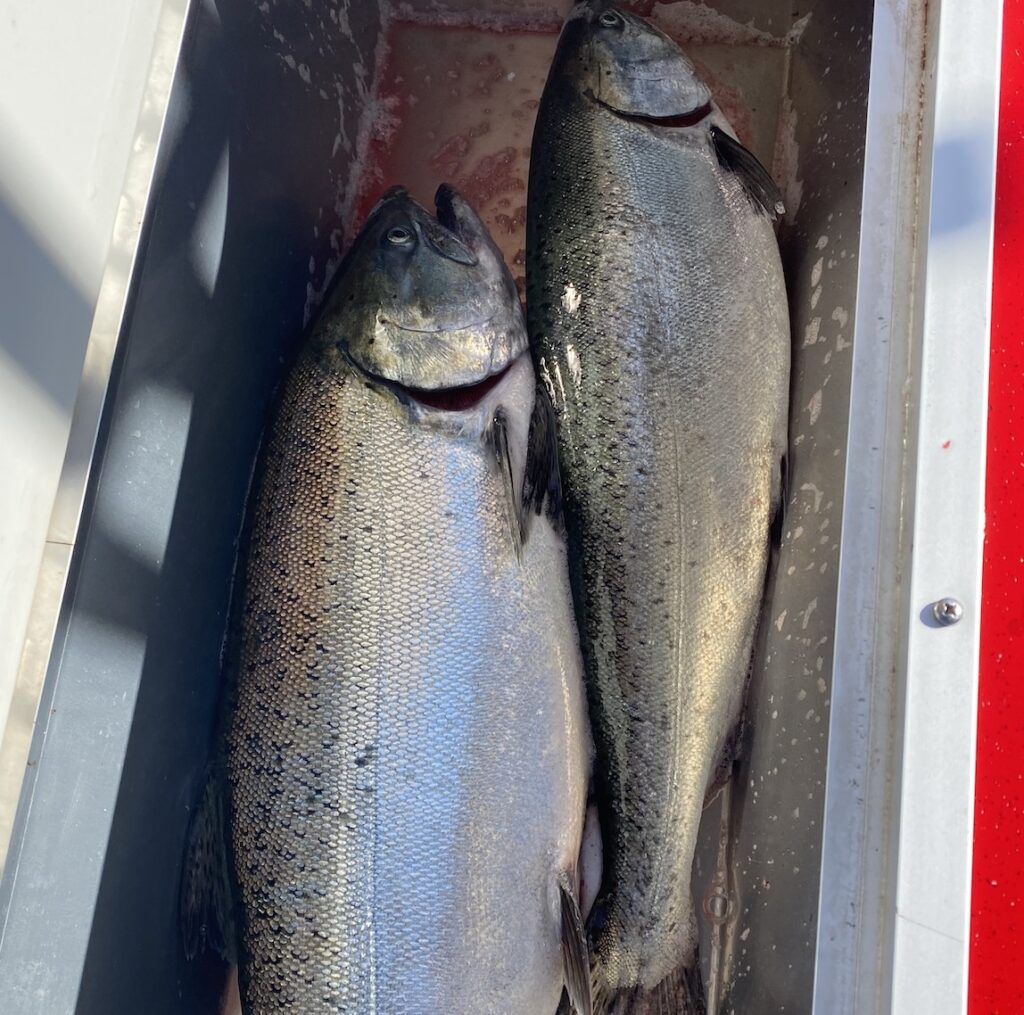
(408, 754)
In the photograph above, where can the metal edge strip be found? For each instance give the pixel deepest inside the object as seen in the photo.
(895, 895)
(857, 875)
(936, 822)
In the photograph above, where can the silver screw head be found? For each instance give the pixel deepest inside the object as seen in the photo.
(948, 611)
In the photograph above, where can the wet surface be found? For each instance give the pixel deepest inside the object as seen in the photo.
(458, 106)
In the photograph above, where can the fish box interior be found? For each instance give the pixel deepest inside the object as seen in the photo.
(286, 122)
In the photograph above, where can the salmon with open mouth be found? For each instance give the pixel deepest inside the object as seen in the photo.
(658, 316)
(407, 750)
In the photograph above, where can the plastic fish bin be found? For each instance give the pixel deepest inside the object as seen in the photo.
(283, 123)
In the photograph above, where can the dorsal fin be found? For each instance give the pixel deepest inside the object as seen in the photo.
(206, 900)
(757, 182)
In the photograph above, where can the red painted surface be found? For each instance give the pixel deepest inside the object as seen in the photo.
(997, 923)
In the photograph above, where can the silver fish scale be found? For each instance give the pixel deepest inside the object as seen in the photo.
(658, 317)
(408, 751)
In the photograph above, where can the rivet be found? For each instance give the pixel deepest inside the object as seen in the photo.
(717, 905)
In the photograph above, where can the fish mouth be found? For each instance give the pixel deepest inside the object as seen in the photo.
(444, 210)
(690, 119)
(457, 399)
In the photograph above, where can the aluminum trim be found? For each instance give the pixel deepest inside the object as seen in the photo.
(857, 875)
(936, 821)
(894, 906)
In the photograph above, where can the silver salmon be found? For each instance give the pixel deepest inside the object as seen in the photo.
(408, 750)
(658, 318)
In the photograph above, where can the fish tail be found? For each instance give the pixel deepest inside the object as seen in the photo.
(680, 993)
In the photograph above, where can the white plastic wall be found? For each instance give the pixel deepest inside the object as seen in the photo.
(71, 84)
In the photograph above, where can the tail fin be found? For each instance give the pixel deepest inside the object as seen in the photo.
(680, 993)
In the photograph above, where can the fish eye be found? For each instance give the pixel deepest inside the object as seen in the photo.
(611, 19)
(399, 235)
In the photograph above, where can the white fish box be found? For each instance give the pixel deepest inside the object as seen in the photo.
(833, 876)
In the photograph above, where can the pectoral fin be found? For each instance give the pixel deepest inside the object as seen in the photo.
(497, 438)
(756, 180)
(575, 958)
(542, 487)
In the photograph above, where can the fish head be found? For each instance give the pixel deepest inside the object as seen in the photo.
(422, 301)
(623, 62)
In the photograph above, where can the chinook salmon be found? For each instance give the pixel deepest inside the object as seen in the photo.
(407, 746)
(658, 318)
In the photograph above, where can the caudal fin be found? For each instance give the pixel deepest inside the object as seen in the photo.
(680, 993)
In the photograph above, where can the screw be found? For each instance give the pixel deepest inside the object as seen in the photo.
(948, 611)
(717, 905)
